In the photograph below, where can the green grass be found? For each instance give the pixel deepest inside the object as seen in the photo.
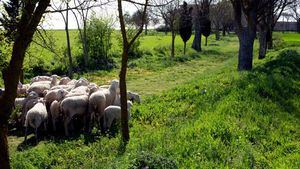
(195, 113)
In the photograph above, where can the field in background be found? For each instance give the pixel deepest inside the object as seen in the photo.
(197, 111)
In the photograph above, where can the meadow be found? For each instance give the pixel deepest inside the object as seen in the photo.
(197, 111)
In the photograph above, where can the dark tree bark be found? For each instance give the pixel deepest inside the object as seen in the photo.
(262, 44)
(173, 43)
(205, 41)
(246, 41)
(224, 31)
(30, 18)
(123, 88)
(217, 32)
(69, 53)
(197, 40)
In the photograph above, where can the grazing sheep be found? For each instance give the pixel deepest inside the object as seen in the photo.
(64, 81)
(82, 82)
(111, 92)
(40, 86)
(71, 106)
(55, 113)
(66, 87)
(57, 94)
(134, 97)
(35, 117)
(112, 113)
(40, 78)
(97, 104)
(81, 90)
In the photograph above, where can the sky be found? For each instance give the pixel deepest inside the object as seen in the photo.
(55, 20)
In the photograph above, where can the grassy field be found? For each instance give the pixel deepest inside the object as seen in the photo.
(197, 111)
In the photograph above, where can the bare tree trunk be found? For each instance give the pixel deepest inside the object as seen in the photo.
(26, 29)
(262, 43)
(217, 32)
(85, 46)
(70, 70)
(197, 40)
(224, 30)
(146, 29)
(123, 91)
(184, 48)
(4, 156)
(246, 41)
(270, 42)
(173, 43)
(205, 41)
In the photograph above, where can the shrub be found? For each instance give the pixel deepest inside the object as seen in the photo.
(99, 43)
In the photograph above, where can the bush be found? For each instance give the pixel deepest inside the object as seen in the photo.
(151, 161)
(99, 44)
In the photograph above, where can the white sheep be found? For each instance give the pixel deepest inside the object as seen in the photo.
(111, 92)
(81, 90)
(55, 113)
(117, 101)
(71, 106)
(57, 94)
(35, 117)
(40, 86)
(66, 87)
(112, 113)
(64, 81)
(97, 104)
(82, 82)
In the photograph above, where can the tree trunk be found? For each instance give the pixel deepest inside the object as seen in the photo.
(85, 46)
(146, 29)
(224, 30)
(262, 43)
(217, 32)
(184, 48)
(4, 155)
(270, 42)
(70, 70)
(246, 41)
(173, 43)
(26, 29)
(197, 40)
(205, 41)
(123, 93)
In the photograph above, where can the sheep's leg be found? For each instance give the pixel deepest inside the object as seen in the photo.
(26, 130)
(36, 135)
(53, 124)
(67, 120)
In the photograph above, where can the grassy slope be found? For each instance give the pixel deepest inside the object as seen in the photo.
(244, 120)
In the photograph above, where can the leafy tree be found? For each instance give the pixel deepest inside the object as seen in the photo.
(30, 16)
(185, 25)
(99, 42)
(206, 29)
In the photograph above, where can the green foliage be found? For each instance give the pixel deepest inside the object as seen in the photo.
(99, 43)
(152, 161)
(217, 118)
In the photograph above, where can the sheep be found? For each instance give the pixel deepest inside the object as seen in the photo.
(72, 82)
(35, 117)
(97, 104)
(40, 86)
(117, 101)
(19, 102)
(64, 81)
(41, 78)
(71, 106)
(82, 82)
(134, 97)
(66, 87)
(81, 90)
(57, 94)
(55, 113)
(111, 92)
(112, 113)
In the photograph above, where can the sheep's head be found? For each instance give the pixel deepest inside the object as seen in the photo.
(32, 95)
(61, 94)
(134, 97)
(115, 85)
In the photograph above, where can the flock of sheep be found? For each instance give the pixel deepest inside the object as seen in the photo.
(52, 100)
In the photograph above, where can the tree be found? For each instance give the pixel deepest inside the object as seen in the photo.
(245, 15)
(169, 13)
(294, 10)
(201, 14)
(126, 46)
(206, 29)
(269, 12)
(30, 16)
(136, 19)
(220, 15)
(185, 25)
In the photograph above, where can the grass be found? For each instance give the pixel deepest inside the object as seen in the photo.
(195, 113)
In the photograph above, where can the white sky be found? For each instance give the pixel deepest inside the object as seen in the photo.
(55, 20)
